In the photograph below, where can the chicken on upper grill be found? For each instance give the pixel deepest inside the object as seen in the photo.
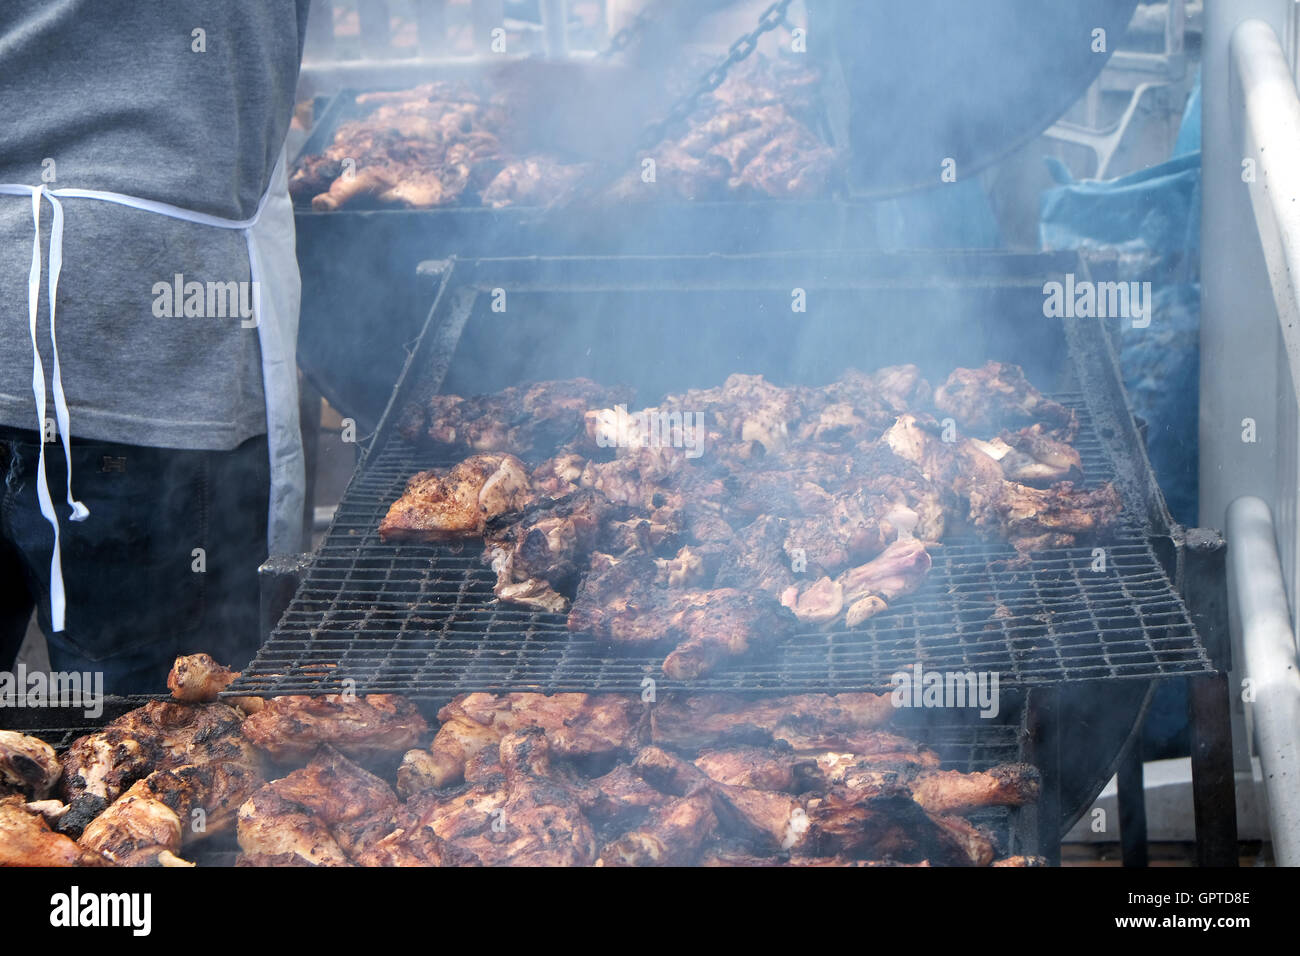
(623, 604)
(998, 395)
(1030, 518)
(543, 548)
(814, 504)
(529, 421)
(440, 506)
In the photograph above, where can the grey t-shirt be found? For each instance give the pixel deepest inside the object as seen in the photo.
(125, 96)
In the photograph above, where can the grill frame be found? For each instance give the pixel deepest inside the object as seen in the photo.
(327, 659)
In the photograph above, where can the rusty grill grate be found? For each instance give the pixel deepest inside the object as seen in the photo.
(422, 620)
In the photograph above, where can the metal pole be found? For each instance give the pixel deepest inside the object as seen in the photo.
(555, 27)
(1266, 654)
(1238, 328)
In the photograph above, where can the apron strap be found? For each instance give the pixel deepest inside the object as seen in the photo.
(58, 595)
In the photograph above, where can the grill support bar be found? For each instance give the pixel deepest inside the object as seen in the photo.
(1213, 787)
(1044, 725)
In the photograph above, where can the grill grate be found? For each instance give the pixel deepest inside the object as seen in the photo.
(422, 620)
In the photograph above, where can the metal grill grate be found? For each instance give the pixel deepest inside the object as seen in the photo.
(422, 620)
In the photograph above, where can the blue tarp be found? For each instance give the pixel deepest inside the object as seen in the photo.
(1152, 221)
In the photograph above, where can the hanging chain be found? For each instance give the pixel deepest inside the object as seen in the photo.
(771, 18)
(624, 37)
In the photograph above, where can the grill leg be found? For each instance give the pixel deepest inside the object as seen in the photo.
(1132, 807)
(1044, 726)
(1213, 788)
(1205, 589)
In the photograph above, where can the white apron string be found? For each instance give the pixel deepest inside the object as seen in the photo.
(58, 596)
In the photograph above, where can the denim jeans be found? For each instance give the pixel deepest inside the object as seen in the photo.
(166, 564)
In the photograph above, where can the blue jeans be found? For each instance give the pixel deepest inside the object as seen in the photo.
(166, 564)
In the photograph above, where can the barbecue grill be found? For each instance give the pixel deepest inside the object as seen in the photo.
(1080, 645)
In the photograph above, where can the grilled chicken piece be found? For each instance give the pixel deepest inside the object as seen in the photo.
(719, 625)
(542, 822)
(1033, 518)
(950, 791)
(577, 725)
(762, 768)
(803, 721)
(622, 604)
(27, 840)
(315, 816)
(1020, 861)
(975, 843)
(525, 420)
(366, 728)
(756, 557)
(1028, 517)
(29, 767)
(136, 831)
(1031, 457)
(939, 792)
(851, 528)
(431, 828)
(672, 836)
(205, 797)
(997, 396)
(529, 816)
(865, 591)
(889, 824)
(776, 819)
(437, 506)
(539, 553)
(99, 767)
(197, 678)
(534, 181)
(557, 477)
(622, 799)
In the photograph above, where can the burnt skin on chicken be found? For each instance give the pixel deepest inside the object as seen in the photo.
(29, 767)
(27, 840)
(100, 767)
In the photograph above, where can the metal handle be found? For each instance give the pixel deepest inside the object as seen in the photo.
(1266, 652)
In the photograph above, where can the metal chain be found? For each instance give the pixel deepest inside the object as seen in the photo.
(770, 19)
(624, 37)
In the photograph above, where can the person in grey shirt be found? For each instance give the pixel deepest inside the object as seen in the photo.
(184, 104)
